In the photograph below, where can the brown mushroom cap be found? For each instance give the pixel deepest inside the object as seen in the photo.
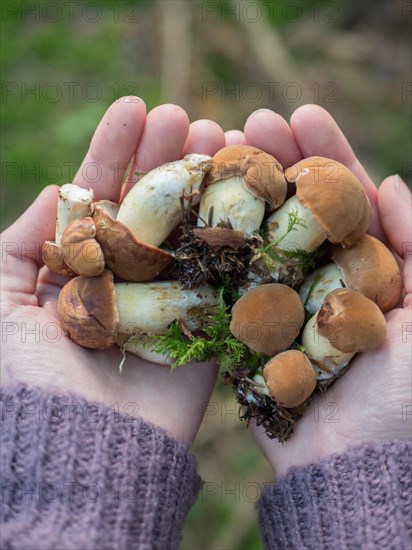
(268, 318)
(335, 197)
(88, 311)
(370, 267)
(351, 322)
(290, 378)
(127, 257)
(81, 252)
(262, 173)
(220, 236)
(53, 258)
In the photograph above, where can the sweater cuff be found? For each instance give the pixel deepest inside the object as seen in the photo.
(360, 499)
(77, 474)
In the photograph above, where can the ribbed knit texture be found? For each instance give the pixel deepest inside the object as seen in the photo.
(359, 500)
(78, 475)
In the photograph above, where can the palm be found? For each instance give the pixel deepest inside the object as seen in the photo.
(371, 401)
(374, 393)
(173, 400)
(49, 358)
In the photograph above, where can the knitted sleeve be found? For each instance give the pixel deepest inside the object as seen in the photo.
(80, 475)
(357, 500)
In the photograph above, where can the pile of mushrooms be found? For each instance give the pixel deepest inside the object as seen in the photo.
(231, 213)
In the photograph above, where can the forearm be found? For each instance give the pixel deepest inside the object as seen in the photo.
(77, 474)
(360, 499)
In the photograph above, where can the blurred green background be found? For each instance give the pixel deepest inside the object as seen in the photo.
(64, 63)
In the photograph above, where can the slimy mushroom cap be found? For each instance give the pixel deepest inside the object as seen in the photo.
(370, 267)
(350, 321)
(88, 311)
(81, 252)
(262, 173)
(126, 256)
(334, 195)
(267, 318)
(52, 257)
(290, 378)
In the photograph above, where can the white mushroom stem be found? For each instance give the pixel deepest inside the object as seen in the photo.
(326, 360)
(253, 280)
(229, 201)
(152, 208)
(150, 308)
(109, 207)
(290, 228)
(74, 202)
(138, 346)
(261, 382)
(305, 234)
(319, 283)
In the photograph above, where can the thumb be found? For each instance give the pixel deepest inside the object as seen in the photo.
(21, 243)
(395, 209)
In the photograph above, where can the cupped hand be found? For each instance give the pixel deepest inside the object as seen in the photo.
(34, 350)
(372, 402)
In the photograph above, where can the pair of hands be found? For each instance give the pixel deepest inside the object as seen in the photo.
(370, 403)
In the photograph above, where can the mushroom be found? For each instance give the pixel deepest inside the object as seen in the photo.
(347, 323)
(109, 207)
(80, 250)
(290, 378)
(267, 318)
(152, 208)
(369, 267)
(330, 203)
(242, 179)
(95, 312)
(73, 202)
(128, 257)
(147, 216)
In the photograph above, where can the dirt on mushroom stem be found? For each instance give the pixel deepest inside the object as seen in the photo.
(201, 259)
(323, 385)
(277, 421)
(208, 255)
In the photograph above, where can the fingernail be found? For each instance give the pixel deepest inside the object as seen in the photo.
(260, 111)
(401, 187)
(396, 181)
(131, 99)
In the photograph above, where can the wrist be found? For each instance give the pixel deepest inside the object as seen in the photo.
(90, 466)
(330, 503)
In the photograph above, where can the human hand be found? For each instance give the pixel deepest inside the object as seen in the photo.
(35, 351)
(372, 401)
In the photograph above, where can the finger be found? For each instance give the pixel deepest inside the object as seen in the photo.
(48, 278)
(22, 243)
(235, 137)
(395, 208)
(112, 147)
(47, 296)
(269, 131)
(189, 386)
(317, 134)
(205, 137)
(166, 131)
(163, 139)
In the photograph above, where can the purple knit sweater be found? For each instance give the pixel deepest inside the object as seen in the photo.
(79, 475)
